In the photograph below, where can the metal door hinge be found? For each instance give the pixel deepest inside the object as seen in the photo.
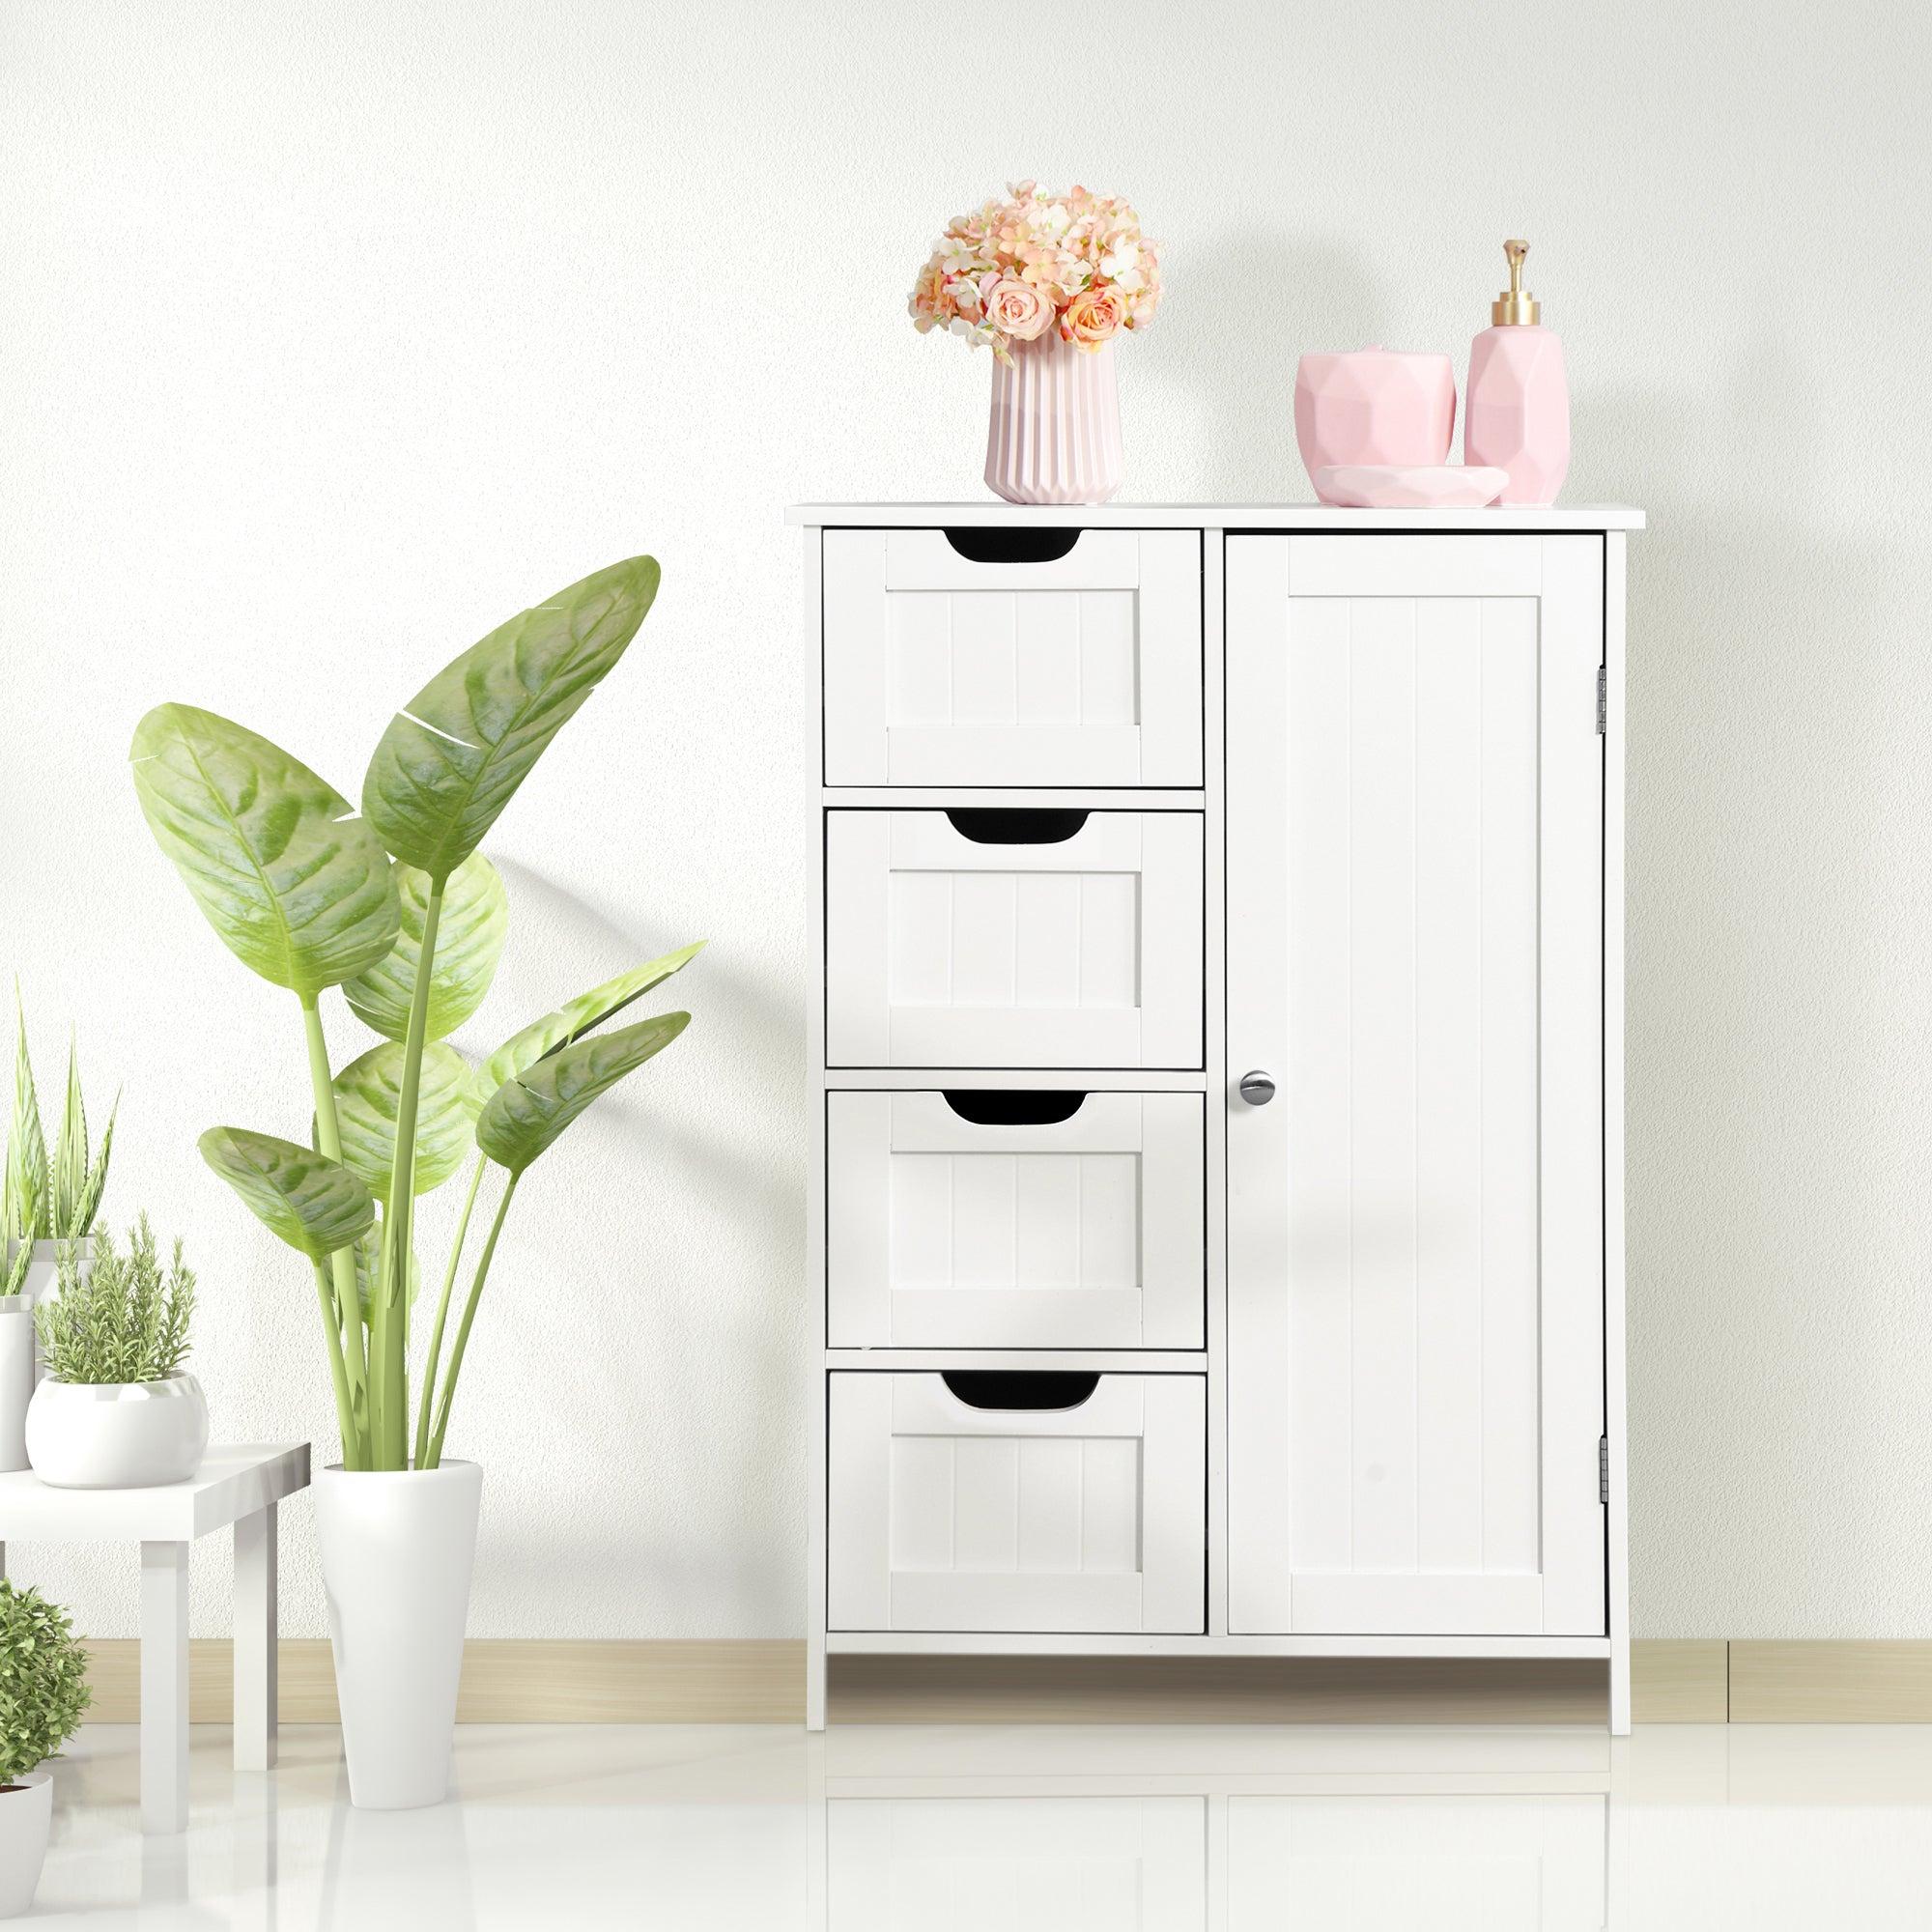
(1603, 699)
(1602, 1468)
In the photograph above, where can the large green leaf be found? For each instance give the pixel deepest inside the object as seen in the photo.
(313, 1203)
(368, 1091)
(525, 1116)
(453, 756)
(579, 1016)
(468, 942)
(28, 1211)
(297, 885)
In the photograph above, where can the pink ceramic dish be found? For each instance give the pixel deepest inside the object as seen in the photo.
(1374, 406)
(1433, 485)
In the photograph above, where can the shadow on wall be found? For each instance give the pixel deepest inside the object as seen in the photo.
(1778, 790)
(1225, 374)
(725, 1199)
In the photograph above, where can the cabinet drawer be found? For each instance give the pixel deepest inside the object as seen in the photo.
(949, 1515)
(943, 669)
(1022, 938)
(1015, 1220)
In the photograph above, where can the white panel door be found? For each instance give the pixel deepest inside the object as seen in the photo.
(948, 1516)
(1476, 1863)
(1415, 1221)
(980, 948)
(1083, 670)
(1082, 1232)
(992, 1863)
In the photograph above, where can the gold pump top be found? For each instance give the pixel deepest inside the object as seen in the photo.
(1513, 305)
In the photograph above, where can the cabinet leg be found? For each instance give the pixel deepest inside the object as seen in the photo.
(163, 1687)
(815, 1682)
(1620, 1689)
(255, 1640)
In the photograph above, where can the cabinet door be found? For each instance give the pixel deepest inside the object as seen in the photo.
(1416, 955)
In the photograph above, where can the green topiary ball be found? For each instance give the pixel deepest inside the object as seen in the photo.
(42, 1681)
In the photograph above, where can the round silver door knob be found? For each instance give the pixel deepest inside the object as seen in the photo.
(1256, 1088)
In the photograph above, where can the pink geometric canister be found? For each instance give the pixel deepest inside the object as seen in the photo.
(1054, 433)
(1374, 406)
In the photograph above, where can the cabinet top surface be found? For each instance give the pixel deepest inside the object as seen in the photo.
(1495, 521)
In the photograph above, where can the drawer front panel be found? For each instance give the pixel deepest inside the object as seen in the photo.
(1086, 1232)
(1081, 670)
(945, 1516)
(949, 950)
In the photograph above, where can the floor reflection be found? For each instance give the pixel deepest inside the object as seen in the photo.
(1007, 1829)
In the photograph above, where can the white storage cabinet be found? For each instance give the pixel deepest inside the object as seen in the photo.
(1216, 1218)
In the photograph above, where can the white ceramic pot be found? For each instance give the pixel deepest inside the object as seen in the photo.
(17, 1378)
(25, 1812)
(397, 1551)
(116, 1435)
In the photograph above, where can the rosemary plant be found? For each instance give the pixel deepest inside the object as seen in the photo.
(46, 1198)
(400, 910)
(42, 1681)
(125, 1319)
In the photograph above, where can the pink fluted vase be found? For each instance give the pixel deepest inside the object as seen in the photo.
(1054, 435)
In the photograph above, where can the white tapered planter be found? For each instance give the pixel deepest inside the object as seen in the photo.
(17, 1378)
(25, 1813)
(1054, 433)
(397, 1551)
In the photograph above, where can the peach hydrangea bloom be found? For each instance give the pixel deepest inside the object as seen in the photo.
(1036, 261)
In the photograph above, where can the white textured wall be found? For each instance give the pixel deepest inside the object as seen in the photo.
(332, 334)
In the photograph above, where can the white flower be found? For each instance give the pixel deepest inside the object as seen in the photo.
(1122, 262)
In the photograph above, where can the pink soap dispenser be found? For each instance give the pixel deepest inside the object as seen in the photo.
(1516, 415)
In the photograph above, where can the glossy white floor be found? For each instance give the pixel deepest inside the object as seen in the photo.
(1159, 1830)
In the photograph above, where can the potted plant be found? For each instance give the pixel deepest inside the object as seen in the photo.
(43, 1203)
(42, 1693)
(115, 1410)
(401, 911)
(47, 1201)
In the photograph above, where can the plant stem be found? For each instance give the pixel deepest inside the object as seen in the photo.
(443, 1315)
(463, 1328)
(391, 1312)
(342, 1262)
(331, 1323)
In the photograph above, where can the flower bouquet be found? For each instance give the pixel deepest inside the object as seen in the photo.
(1046, 282)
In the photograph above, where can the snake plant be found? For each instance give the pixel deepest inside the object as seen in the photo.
(398, 909)
(46, 1197)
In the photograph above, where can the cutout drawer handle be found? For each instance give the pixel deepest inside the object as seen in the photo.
(1012, 1106)
(1019, 1388)
(1015, 825)
(1012, 546)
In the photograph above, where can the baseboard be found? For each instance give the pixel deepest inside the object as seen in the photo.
(739, 1680)
(761, 1681)
(1836, 1682)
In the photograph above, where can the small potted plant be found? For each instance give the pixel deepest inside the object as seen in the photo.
(114, 1409)
(42, 1693)
(49, 1198)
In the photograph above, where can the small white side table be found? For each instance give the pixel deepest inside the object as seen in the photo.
(234, 1484)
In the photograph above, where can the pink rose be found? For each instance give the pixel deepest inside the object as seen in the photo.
(1092, 316)
(1018, 309)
